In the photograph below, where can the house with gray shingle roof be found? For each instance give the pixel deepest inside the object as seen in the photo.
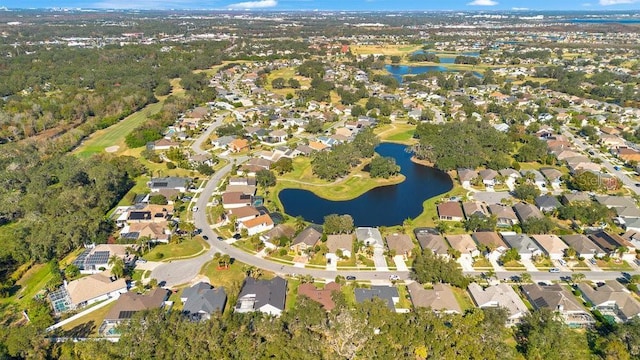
(558, 299)
(611, 298)
(266, 296)
(202, 300)
(583, 246)
(370, 236)
(439, 299)
(502, 296)
(388, 294)
(526, 211)
(527, 248)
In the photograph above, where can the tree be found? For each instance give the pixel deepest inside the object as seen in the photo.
(431, 268)
(188, 227)
(71, 272)
(526, 191)
(117, 266)
(314, 126)
(282, 165)
(577, 277)
(538, 225)
(158, 200)
(510, 255)
(586, 181)
(278, 83)
(542, 335)
(338, 224)
(205, 169)
(525, 278)
(265, 178)
(294, 83)
(395, 59)
(383, 167)
(477, 222)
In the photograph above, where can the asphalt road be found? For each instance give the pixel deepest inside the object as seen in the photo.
(183, 271)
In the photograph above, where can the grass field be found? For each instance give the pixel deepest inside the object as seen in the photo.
(429, 206)
(388, 50)
(397, 132)
(292, 293)
(172, 251)
(87, 325)
(114, 135)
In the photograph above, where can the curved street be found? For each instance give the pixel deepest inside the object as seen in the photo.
(180, 272)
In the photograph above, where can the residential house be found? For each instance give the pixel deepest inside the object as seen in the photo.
(633, 236)
(257, 225)
(202, 300)
(628, 155)
(622, 205)
(526, 211)
(579, 196)
(581, 163)
(488, 176)
(171, 182)
(266, 296)
(583, 246)
(505, 216)
(559, 299)
(274, 235)
(164, 144)
(307, 239)
(510, 175)
(277, 136)
(254, 165)
(341, 243)
(235, 200)
(551, 245)
(553, 176)
(492, 242)
(466, 176)
(324, 296)
(430, 239)
(130, 303)
(244, 189)
(95, 258)
(388, 294)
(538, 178)
(474, 208)
(400, 244)
(222, 142)
(612, 243)
(450, 211)
(499, 296)
(244, 213)
(464, 244)
(86, 291)
(238, 145)
(242, 181)
(439, 299)
(547, 203)
(155, 232)
(527, 248)
(370, 237)
(611, 298)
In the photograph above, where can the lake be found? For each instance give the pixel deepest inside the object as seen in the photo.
(398, 71)
(382, 206)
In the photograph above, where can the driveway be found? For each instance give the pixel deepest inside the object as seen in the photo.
(400, 264)
(466, 262)
(379, 261)
(528, 264)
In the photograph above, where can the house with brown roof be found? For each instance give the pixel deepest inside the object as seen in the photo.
(307, 239)
(156, 232)
(526, 211)
(611, 242)
(236, 199)
(243, 213)
(466, 176)
(257, 225)
(474, 208)
(551, 245)
(430, 239)
(560, 300)
(400, 244)
(450, 211)
(439, 299)
(323, 296)
(505, 216)
(499, 296)
(274, 235)
(164, 144)
(128, 304)
(340, 242)
(464, 244)
(583, 246)
(492, 242)
(238, 145)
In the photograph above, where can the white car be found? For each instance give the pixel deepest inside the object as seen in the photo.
(394, 277)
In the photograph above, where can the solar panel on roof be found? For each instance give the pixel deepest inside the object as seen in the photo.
(161, 184)
(126, 314)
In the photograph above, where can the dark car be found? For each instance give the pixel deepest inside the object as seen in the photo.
(237, 236)
(638, 184)
(220, 238)
(205, 237)
(350, 277)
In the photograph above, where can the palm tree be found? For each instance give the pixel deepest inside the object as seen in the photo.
(226, 260)
(117, 266)
(577, 277)
(187, 227)
(490, 274)
(217, 257)
(621, 251)
(300, 224)
(525, 278)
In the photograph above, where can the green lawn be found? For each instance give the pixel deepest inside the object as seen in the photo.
(229, 278)
(405, 302)
(292, 293)
(463, 298)
(403, 137)
(349, 293)
(612, 265)
(172, 251)
(115, 134)
(429, 206)
(87, 325)
(482, 262)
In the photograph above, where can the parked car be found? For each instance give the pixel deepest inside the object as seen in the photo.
(220, 238)
(592, 261)
(205, 237)
(554, 270)
(394, 277)
(616, 168)
(350, 277)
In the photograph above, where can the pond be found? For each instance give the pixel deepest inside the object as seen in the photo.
(382, 206)
(398, 71)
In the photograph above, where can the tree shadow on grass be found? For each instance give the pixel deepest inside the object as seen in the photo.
(82, 330)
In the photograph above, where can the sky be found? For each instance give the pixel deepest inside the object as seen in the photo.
(360, 5)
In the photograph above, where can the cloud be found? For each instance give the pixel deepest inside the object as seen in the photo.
(260, 4)
(617, 2)
(484, 3)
